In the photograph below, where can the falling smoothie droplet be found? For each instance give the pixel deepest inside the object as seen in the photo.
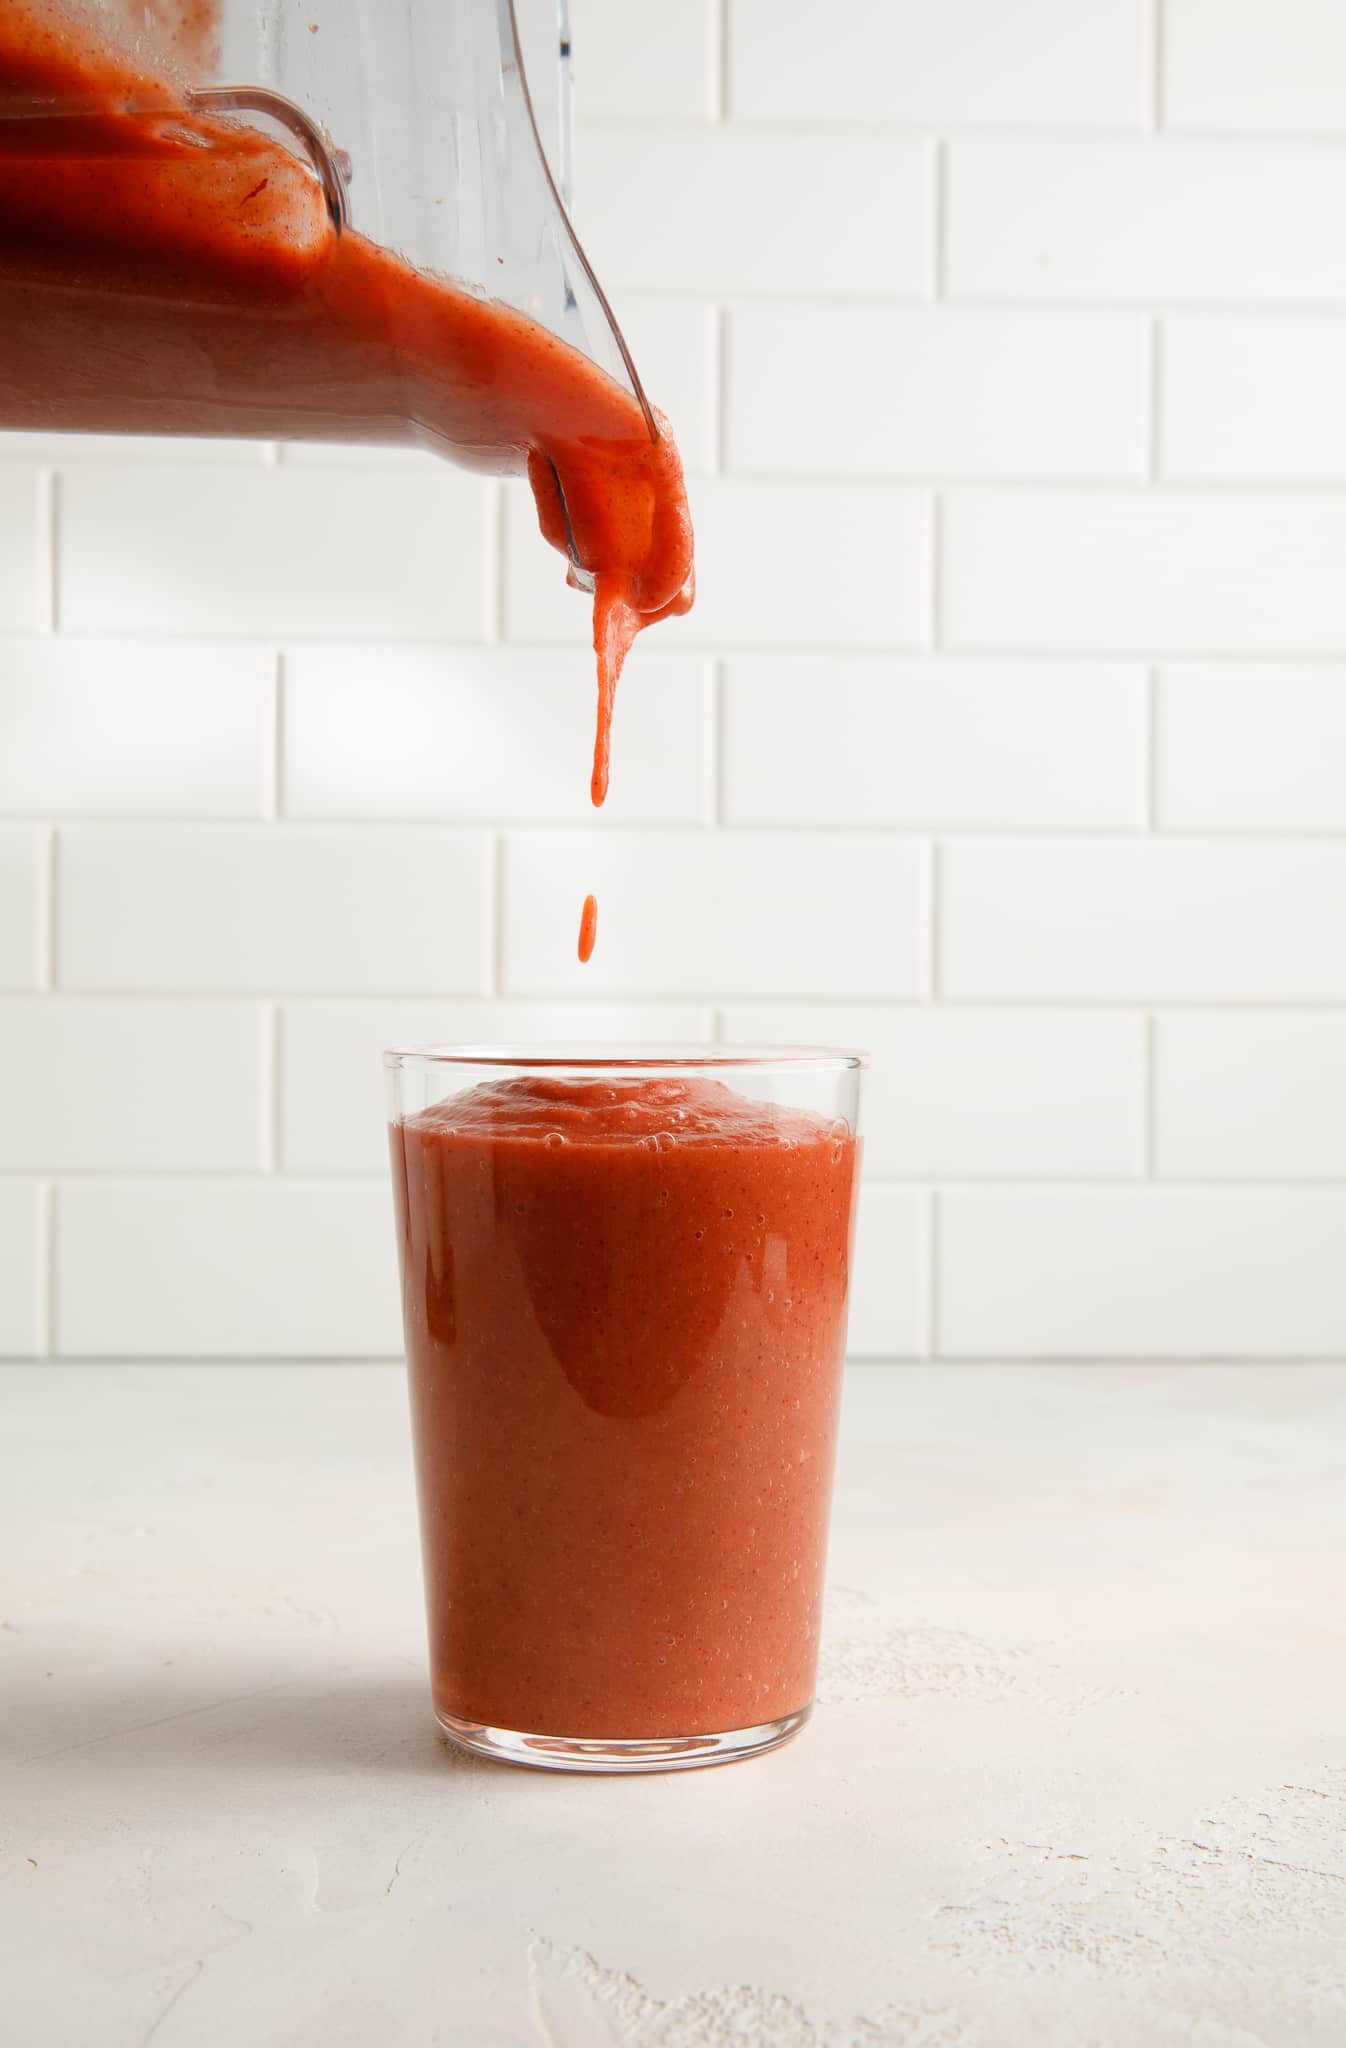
(588, 927)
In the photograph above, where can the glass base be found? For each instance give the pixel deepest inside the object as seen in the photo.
(602, 1753)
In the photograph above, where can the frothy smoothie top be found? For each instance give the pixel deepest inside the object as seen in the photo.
(654, 1112)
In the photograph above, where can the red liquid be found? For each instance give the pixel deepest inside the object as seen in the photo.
(588, 929)
(625, 1315)
(163, 272)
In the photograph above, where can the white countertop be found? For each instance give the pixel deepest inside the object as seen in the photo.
(1077, 1777)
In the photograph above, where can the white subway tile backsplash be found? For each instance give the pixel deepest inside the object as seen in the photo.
(888, 1288)
(20, 598)
(947, 743)
(538, 604)
(1274, 64)
(244, 1269)
(727, 212)
(217, 909)
(311, 553)
(490, 733)
(800, 565)
(352, 455)
(1007, 737)
(937, 391)
(61, 449)
(1253, 749)
(1104, 1273)
(659, 63)
(333, 1091)
(1180, 222)
(1145, 920)
(1119, 572)
(122, 728)
(1261, 1096)
(1053, 63)
(132, 1087)
(23, 859)
(22, 1279)
(992, 1094)
(747, 913)
(786, 564)
(1253, 396)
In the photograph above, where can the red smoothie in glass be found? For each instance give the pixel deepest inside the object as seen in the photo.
(625, 1307)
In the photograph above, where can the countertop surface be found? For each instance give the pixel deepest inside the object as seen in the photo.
(1077, 1777)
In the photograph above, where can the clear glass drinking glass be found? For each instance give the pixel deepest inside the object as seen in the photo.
(625, 1281)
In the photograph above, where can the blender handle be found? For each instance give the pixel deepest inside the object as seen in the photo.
(332, 165)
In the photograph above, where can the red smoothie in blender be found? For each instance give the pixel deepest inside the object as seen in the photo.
(169, 270)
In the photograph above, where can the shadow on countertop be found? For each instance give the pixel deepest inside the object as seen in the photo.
(353, 1722)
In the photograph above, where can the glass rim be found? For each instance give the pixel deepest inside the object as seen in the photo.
(584, 1057)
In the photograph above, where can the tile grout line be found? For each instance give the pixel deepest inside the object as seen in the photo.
(1157, 59)
(1232, 1188)
(934, 924)
(1155, 397)
(1150, 1140)
(718, 750)
(719, 385)
(1084, 300)
(48, 1272)
(863, 1361)
(49, 931)
(273, 1126)
(939, 237)
(912, 831)
(1115, 478)
(493, 931)
(902, 1005)
(723, 61)
(1153, 763)
(934, 573)
(916, 126)
(278, 794)
(1212, 1005)
(933, 1252)
(497, 577)
(46, 608)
